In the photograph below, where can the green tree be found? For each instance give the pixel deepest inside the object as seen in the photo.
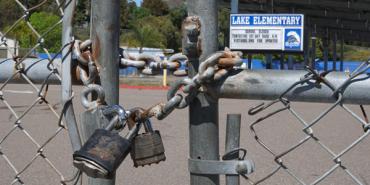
(9, 13)
(124, 14)
(156, 7)
(144, 35)
(153, 31)
(137, 13)
(164, 26)
(223, 26)
(42, 22)
(82, 13)
(177, 15)
(41, 6)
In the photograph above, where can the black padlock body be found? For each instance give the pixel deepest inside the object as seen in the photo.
(147, 148)
(105, 148)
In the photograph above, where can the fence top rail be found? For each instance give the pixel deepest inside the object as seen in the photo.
(270, 84)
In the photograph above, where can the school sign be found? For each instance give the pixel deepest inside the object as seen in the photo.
(267, 32)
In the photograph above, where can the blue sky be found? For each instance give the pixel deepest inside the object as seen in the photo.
(138, 2)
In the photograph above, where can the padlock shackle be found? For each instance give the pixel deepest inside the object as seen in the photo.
(133, 132)
(113, 123)
(116, 110)
(148, 126)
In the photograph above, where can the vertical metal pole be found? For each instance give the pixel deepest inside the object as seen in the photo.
(282, 59)
(234, 6)
(290, 62)
(341, 51)
(250, 57)
(105, 40)
(233, 142)
(234, 10)
(335, 51)
(306, 42)
(268, 61)
(203, 111)
(326, 51)
(313, 62)
(69, 114)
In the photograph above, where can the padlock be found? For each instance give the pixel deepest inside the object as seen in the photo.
(104, 151)
(147, 148)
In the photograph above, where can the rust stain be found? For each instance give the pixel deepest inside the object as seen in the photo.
(75, 74)
(191, 29)
(86, 55)
(199, 46)
(226, 62)
(105, 149)
(96, 51)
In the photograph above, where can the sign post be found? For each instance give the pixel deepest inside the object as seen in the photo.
(267, 32)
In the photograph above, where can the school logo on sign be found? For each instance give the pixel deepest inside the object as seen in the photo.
(293, 39)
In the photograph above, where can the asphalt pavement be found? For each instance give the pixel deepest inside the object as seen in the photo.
(309, 161)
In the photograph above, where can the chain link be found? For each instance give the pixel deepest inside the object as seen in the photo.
(153, 65)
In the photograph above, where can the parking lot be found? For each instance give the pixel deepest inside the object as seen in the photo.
(310, 161)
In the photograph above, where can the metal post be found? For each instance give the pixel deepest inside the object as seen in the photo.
(326, 53)
(203, 111)
(290, 62)
(341, 52)
(69, 115)
(105, 42)
(282, 59)
(233, 142)
(313, 62)
(234, 6)
(335, 51)
(250, 57)
(306, 42)
(268, 61)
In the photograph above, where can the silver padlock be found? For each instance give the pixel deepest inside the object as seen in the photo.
(105, 150)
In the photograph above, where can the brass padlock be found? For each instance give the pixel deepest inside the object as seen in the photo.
(147, 148)
(104, 151)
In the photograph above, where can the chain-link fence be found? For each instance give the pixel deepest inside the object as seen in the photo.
(29, 105)
(282, 151)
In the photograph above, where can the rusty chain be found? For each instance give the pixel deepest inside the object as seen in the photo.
(212, 69)
(182, 92)
(153, 65)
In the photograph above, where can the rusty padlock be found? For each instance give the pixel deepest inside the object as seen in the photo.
(104, 151)
(147, 148)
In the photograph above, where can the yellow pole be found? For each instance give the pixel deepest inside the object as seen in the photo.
(164, 75)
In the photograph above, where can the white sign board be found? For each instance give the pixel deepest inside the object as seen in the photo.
(275, 32)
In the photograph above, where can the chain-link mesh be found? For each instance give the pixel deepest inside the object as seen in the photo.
(28, 106)
(281, 156)
(25, 104)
